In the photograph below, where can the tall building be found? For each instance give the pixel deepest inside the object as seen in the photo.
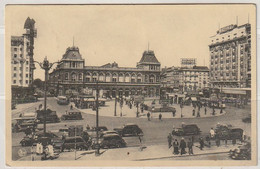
(186, 79)
(71, 75)
(230, 57)
(22, 62)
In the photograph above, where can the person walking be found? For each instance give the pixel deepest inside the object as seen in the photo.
(198, 113)
(183, 146)
(160, 117)
(217, 140)
(71, 107)
(201, 143)
(175, 145)
(212, 133)
(205, 110)
(148, 116)
(169, 140)
(193, 112)
(190, 145)
(213, 112)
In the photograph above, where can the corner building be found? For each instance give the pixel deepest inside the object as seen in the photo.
(71, 75)
(230, 57)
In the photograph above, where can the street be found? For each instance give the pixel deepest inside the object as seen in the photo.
(155, 131)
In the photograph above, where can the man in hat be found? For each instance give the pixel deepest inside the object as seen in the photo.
(169, 140)
(190, 145)
(183, 146)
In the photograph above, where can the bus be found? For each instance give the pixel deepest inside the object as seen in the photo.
(62, 100)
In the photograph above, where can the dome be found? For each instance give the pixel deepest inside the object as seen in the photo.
(72, 53)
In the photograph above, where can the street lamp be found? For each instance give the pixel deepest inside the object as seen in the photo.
(115, 100)
(45, 65)
(97, 105)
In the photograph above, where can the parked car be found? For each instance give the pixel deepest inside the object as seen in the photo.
(111, 141)
(22, 123)
(243, 152)
(229, 133)
(129, 130)
(62, 100)
(57, 143)
(70, 143)
(103, 133)
(72, 115)
(38, 137)
(51, 116)
(190, 129)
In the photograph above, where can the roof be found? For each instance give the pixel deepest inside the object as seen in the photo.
(72, 53)
(149, 57)
(29, 23)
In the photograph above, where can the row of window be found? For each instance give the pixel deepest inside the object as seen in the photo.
(26, 81)
(26, 75)
(27, 68)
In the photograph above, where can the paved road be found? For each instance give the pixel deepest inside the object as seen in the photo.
(155, 131)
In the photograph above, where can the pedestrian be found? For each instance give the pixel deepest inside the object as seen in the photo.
(175, 145)
(141, 142)
(198, 113)
(201, 143)
(212, 133)
(142, 109)
(160, 117)
(50, 151)
(71, 107)
(130, 105)
(183, 146)
(148, 116)
(217, 140)
(193, 112)
(208, 141)
(213, 112)
(205, 110)
(169, 140)
(225, 141)
(221, 111)
(190, 145)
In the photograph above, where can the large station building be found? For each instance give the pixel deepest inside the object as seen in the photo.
(72, 76)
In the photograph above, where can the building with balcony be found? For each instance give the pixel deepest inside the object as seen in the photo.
(230, 57)
(71, 74)
(22, 62)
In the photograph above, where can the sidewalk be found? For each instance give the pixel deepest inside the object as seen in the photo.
(108, 111)
(155, 152)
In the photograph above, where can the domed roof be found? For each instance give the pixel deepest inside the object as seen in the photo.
(72, 53)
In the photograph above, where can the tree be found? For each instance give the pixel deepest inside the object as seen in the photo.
(38, 83)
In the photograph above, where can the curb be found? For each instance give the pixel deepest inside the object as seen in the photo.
(157, 158)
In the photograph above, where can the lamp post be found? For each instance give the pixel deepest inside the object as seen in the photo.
(46, 66)
(97, 105)
(115, 100)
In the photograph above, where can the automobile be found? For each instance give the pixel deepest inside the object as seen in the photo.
(62, 100)
(242, 152)
(57, 143)
(38, 137)
(190, 129)
(72, 115)
(93, 131)
(129, 130)
(51, 116)
(228, 132)
(247, 119)
(112, 141)
(22, 123)
(70, 143)
(103, 133)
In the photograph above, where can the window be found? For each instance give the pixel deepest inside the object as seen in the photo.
(27, 62)
(15, 49)
(15, 55)
(27, 69)
(14, 74)
(21, 49)
(114, 79)
(21, 55)
(26, 81)
(14, 68)
(14, 81)
(73, 77)
(80, 76)
(67, 76)
(26, 75)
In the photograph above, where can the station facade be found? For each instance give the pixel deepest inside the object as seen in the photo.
(71, 76)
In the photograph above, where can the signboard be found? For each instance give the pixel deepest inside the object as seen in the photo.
(188, 61)
(226, 28)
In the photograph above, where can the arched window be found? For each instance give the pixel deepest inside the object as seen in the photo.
(94, 77)
(108, 77)
(73, 77)
(80, 76)
(121, 77)
(88, 77)
(151, 79)
(66, 76)
(101, 77)
(133, 78)
(114, 77)
(139, 78)
(127, 78)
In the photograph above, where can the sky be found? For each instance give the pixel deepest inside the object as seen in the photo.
(121, 33)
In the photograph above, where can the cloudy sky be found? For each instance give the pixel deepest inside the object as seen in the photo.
(120, 33)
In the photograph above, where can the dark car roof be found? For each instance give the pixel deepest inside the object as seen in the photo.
(110, 135)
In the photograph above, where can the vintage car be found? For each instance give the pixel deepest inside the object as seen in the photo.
(190, 129)
(22, 123)
(72, 115)
(62, 100)
(72, 143)
(51, 116)
(228, 132)
(112, 141)
(57, 143)
(243, 152)
(103, 133)
(129, 130)
(38, 137)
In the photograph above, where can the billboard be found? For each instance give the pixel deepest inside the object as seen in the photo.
(188, 61)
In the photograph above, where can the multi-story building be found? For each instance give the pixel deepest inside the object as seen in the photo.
(22, 63)
(72, 75)
(186, 79)
(230, 57)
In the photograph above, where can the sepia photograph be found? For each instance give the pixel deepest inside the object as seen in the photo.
(130, 85)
